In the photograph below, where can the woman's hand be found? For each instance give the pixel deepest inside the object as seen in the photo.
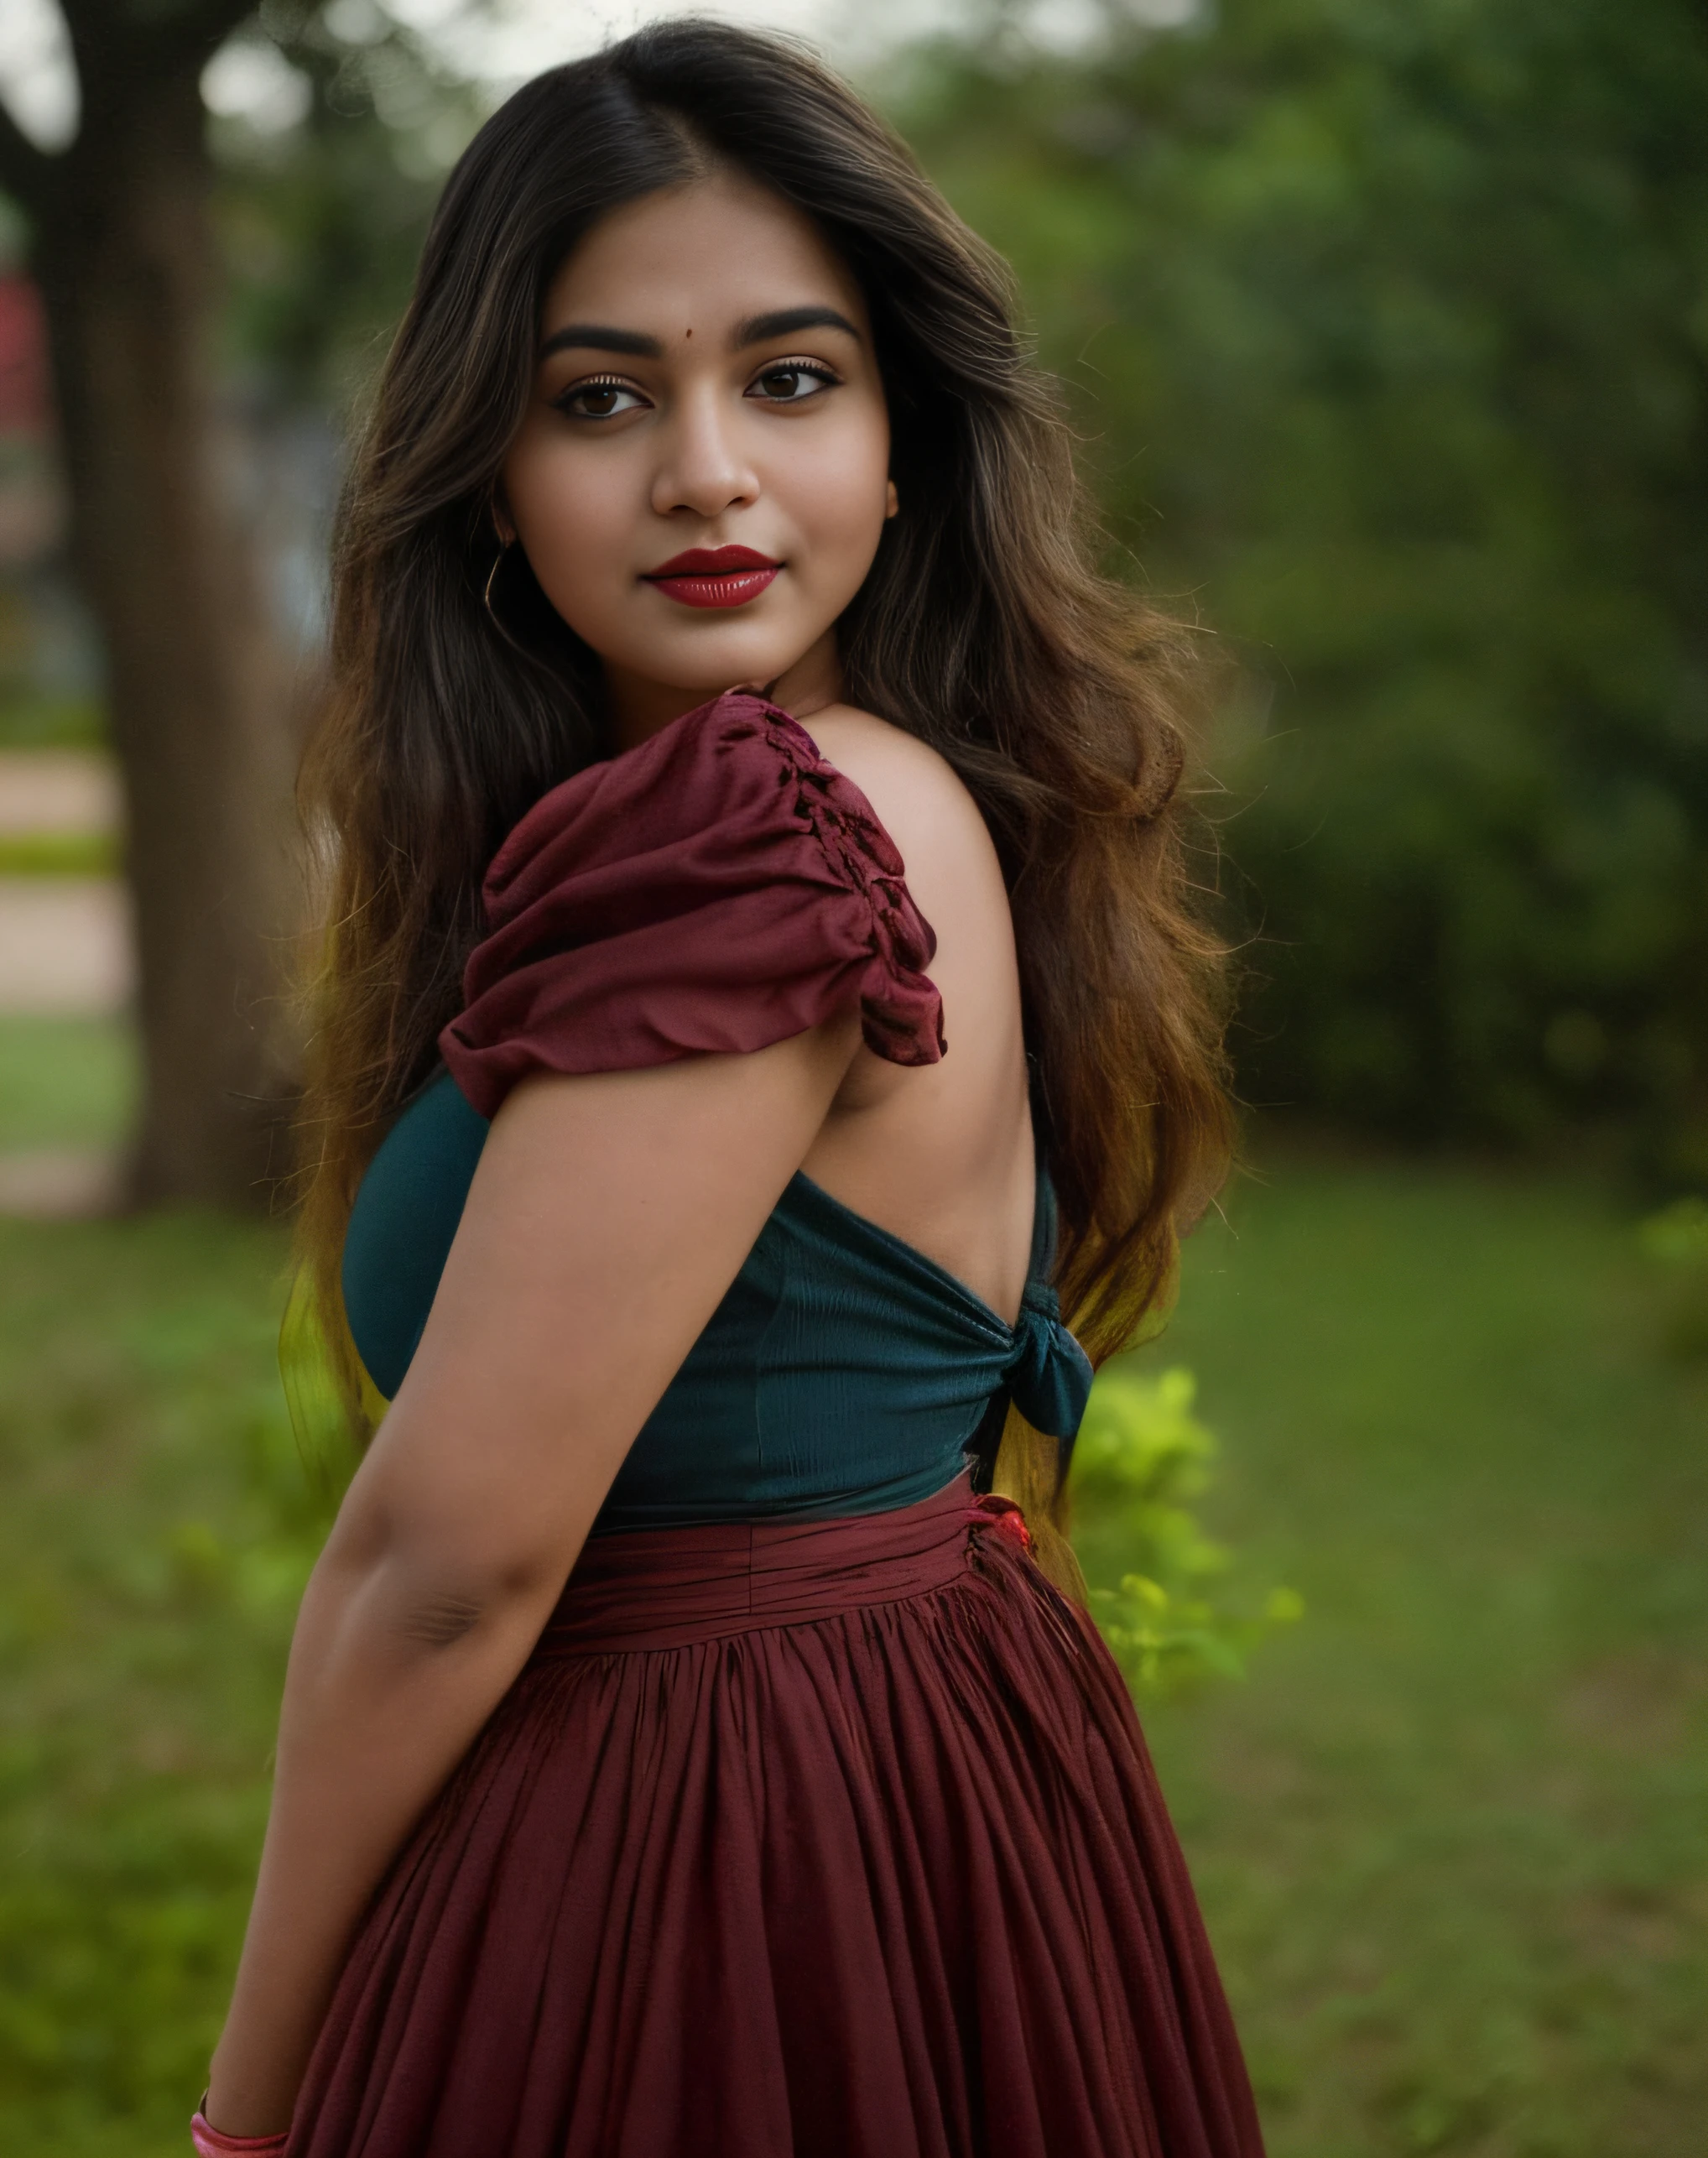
(607, 1217)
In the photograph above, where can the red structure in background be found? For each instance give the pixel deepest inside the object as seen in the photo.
(32, 499)
(25, 407)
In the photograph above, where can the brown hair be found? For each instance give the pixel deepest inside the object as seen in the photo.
(983, 627)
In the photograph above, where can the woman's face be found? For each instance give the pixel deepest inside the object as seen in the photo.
(702, 477)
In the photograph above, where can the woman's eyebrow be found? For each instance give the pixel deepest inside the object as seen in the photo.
(785, 321)
(596, 337)
(756, 330)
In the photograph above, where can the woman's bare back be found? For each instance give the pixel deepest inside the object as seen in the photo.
(941, 1155)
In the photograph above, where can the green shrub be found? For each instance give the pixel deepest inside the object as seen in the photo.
(1176, 1617)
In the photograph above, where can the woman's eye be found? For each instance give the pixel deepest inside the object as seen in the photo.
(792, 381)
(599, 400)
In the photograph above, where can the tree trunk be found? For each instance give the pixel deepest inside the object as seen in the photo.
(201, 692)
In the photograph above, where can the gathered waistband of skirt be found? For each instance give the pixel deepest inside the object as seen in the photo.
(665, 1588)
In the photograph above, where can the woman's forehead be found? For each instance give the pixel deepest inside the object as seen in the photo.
(701, 258)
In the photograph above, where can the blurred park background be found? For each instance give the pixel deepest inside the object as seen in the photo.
(1384, 324)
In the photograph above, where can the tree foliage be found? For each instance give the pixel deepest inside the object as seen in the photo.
(321, 220)
(1387, 324)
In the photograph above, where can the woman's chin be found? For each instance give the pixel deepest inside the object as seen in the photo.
(703, 675)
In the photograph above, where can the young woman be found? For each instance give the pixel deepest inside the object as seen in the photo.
(757, 908)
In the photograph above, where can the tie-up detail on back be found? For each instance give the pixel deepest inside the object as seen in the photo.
(719, 888)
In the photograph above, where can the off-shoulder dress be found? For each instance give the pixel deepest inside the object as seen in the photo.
(818, 1825)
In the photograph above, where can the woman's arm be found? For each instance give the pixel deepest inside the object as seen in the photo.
(607, 1219)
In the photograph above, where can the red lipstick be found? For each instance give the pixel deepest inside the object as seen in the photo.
(714, 576)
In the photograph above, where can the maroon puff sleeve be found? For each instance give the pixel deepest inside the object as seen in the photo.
(719, 888)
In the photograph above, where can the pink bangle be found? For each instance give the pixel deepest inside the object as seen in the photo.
(211, 2144)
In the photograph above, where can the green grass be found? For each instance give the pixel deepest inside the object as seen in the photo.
(148, 1576)
(1452, 1835)
(58, 854)
(65, 1082)
(33, 721)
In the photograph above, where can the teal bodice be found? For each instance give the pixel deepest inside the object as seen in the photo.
(843, 1372)
(715, 889)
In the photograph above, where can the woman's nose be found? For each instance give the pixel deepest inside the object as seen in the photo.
(703, 468)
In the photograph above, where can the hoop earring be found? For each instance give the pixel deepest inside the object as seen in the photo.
(491, 579)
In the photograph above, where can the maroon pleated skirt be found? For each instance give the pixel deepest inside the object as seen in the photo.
(833, 1839)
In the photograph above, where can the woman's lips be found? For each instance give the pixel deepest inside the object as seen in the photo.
(714, 576)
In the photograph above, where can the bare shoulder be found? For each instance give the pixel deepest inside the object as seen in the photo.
(940, 1153)
(920, 800)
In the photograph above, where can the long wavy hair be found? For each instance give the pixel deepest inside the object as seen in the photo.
(983, 627)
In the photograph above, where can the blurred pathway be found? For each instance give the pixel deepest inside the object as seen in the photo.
(57, 790)
(66, 951)
(64, 945)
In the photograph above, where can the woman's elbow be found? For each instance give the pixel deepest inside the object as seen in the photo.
(438, 1616)
(429, 1592)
